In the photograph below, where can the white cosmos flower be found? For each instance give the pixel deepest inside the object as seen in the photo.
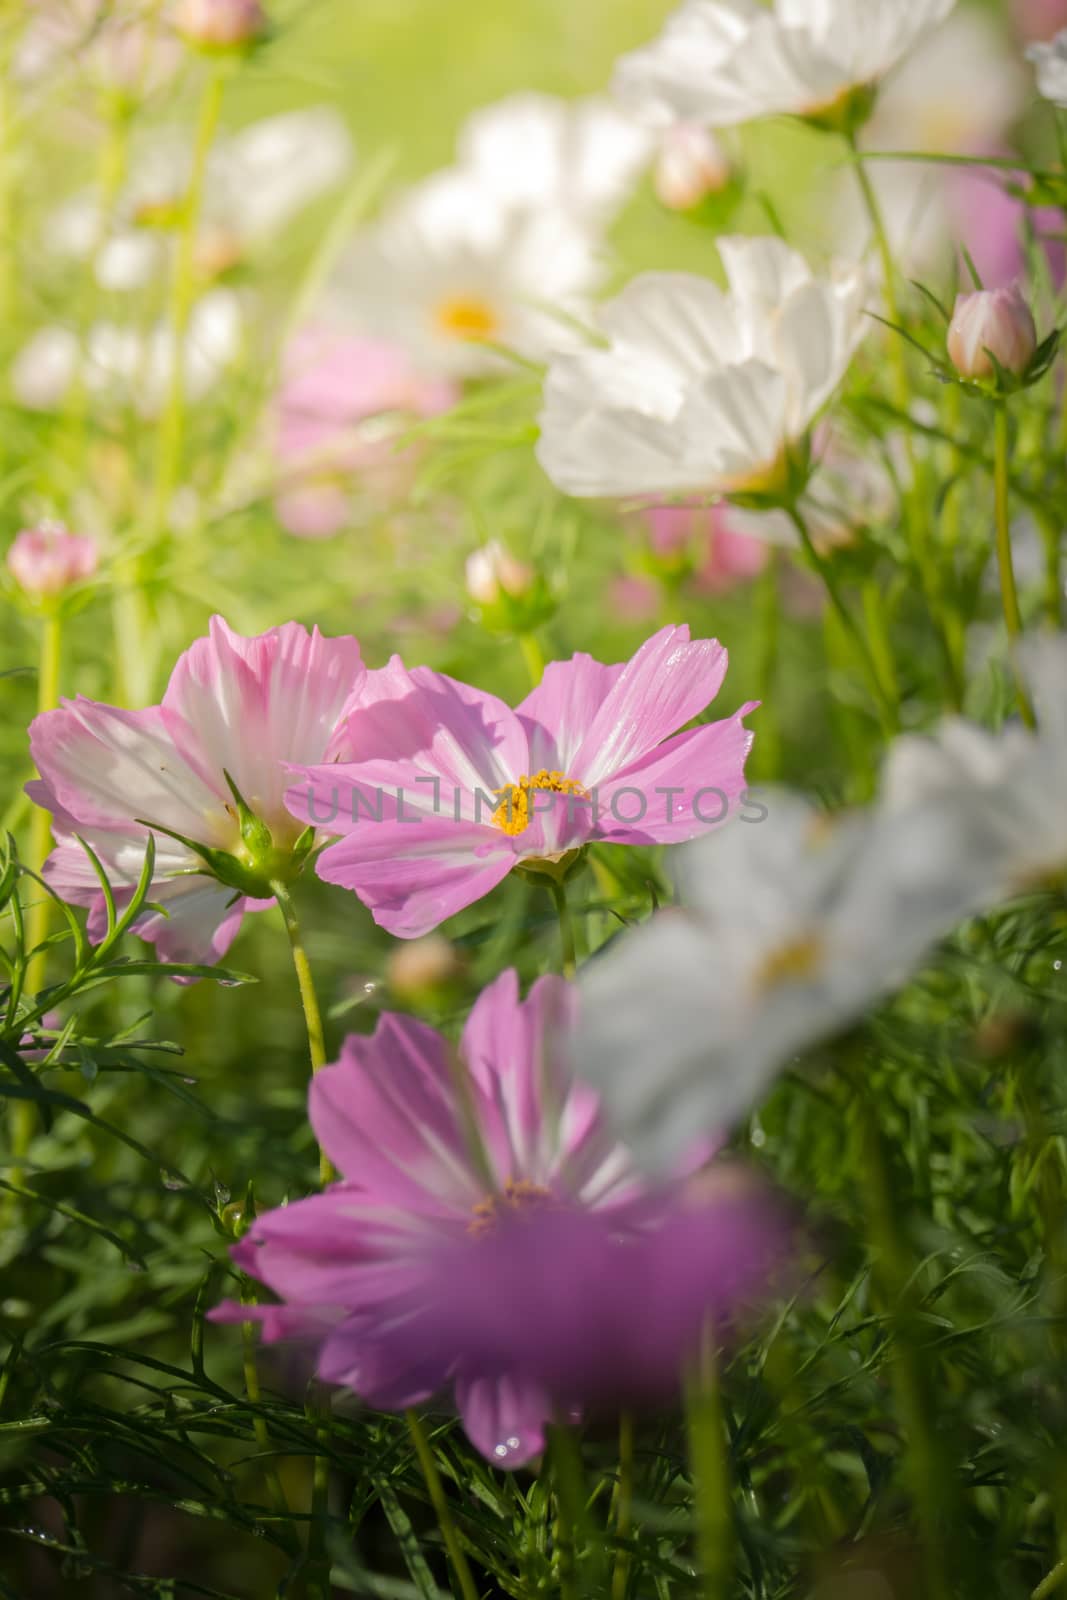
(701, 390)
(1050, 60)
(1017, 779)
(123, 365)
(452, 268)
(794, 927)
(536, 150)
(258, 181)
(729, 61)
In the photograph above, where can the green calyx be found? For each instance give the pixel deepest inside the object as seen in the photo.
(257, 863)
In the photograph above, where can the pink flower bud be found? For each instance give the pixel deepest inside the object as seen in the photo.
(47, 559)
(692, 165)
(494, 569)
(995, 322)
(220, 24)
(424, 964)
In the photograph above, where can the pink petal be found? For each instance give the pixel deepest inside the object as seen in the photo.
(106, 768)
(668, 682)
(246, 706)
(704, 770)
(412, 878)
(202, 920)
(504, 1418)
(559, 713)
(432, 725)
(505, 1047)
(385, 1114)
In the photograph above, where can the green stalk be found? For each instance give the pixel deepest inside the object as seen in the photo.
(1052, 1582)
(1009, 594)
(182, 296)
(930, 1468)
(916, 501)
(533, 656)
(438, 1499)
(308, 998)
(769, 615)
(711, 1482)
(558, 892)
(888, 709)
(39, 913)
(622, 1509)
(569, 1485)
(249, 1350)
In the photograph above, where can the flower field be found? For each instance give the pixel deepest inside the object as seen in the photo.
(533, 872)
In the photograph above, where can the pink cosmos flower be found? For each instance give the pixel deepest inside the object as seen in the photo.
(337, 416)
(358, 1267)
(1039, 19)
(724, 557)
(233, 705)
(446, 788)
(47, 559)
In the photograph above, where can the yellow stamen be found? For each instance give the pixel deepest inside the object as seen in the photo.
(512, 815)
(515, 1198)
(467, 316)
(793, 962)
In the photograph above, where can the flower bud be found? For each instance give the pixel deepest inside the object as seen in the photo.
(493, 570)
(423, 967)
(220, 24)
(692, 165)
(47, 559)
(995, 323)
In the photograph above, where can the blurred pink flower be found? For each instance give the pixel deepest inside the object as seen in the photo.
(358, 1268)
(724, 557)
(47, 559)
(990, 222)
(1039, 19)
(219, 24)
(233, 705)
(342, 402)
(446, 788)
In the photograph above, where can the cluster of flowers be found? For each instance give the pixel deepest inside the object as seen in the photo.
(482, 1197)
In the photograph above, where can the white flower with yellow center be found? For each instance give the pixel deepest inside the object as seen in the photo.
(728, 61)
(452, 270)
(795, 926)
(700, 390)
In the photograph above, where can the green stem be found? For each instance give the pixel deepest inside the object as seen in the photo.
(254, 1394)
(1051, 1582)
(569, 1485)
(439, 1501)
(930, 1469)
(1009, 594)
(182, 297)
(1050, 534)
(916, 501)
(533, 656)
(769, 614)
(308, 998)
(39, 914)
(558, 892)
(623, 1506)
(887, 708)
(711, 1483)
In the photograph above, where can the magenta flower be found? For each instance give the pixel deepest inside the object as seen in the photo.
(357, 1268)
(235, 706)
(446, 788)
(338, 394)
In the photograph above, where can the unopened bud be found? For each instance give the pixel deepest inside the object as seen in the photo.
(417, 969)
(991, 328)
(220, 24)
(493, 570)
(692, 165)
(48, 559)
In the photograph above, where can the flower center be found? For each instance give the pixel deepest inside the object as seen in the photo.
(467, 316)
(512, 815)
(516, 1199)
(792, 962)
